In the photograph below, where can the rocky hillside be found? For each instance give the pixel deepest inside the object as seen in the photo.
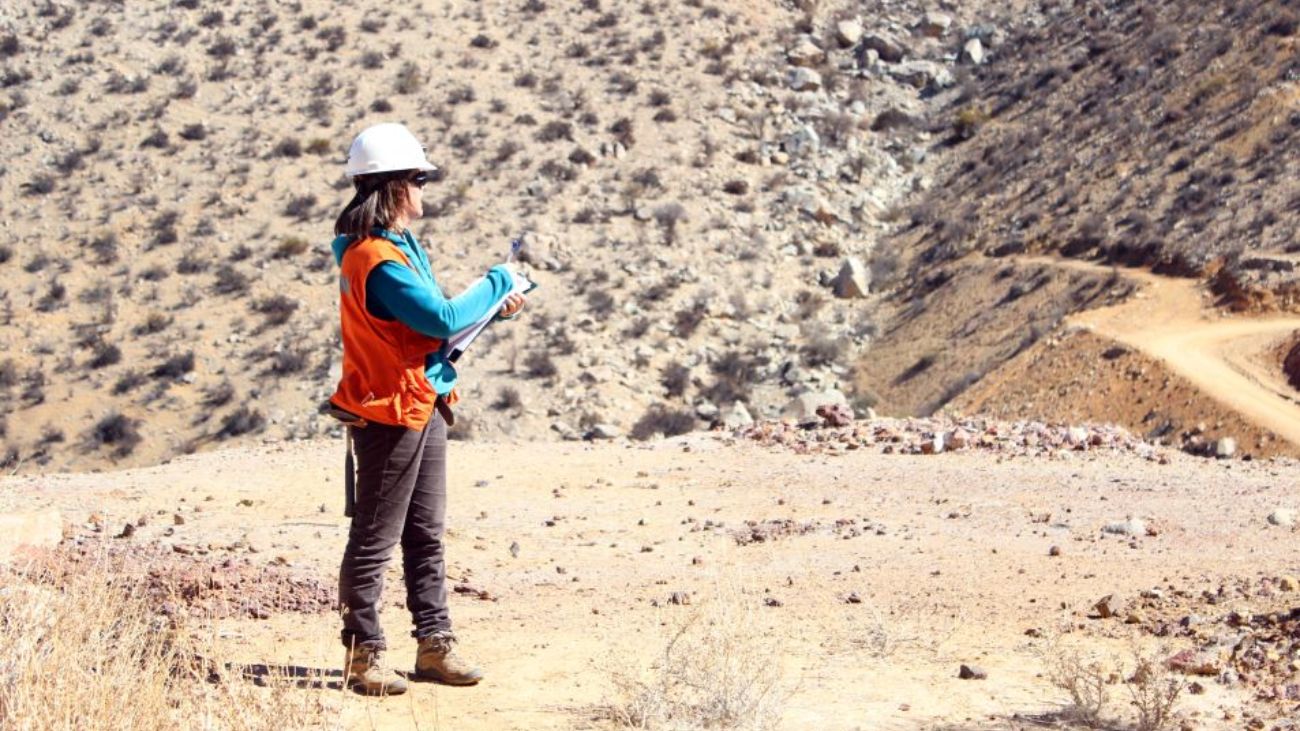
(698, 183)
(1159, 135)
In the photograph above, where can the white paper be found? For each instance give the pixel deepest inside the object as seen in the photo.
(460, 341)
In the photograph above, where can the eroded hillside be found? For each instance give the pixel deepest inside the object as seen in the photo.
(692, 178)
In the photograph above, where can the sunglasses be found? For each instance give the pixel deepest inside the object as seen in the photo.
(421, 179)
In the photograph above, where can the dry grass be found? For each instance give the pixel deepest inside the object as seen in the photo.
(717, 669)
(91, 654)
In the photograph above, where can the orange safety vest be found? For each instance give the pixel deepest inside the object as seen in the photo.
(383, 360)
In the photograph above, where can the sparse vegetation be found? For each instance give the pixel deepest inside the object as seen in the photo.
(663, 420)
(116, 431)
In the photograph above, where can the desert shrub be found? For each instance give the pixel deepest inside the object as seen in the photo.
(223, 47)
(688, 319)
(372, 24)
(660, 419)
(638, 328)
(242, 420)
(128, 382)
(106, 354)
(735, 374)
(287, 147)
(289, 247)
(482, 41)
(40, 184)
(555, 130)
(117, 431)
(506, 150)
(580, 156)
(675, 377)
(276, 309)
(192, 263)
(175, 366)
(507, 398)
(622, 129)
(155, 322)
(526, 80)
(538, 364)
(8, 373)
(301, 207)
(600, 301)
(218, 395)
(105, 248)
(665, 115)
(735, 187)
(158, 140)
(55, 297)
(668, 216)
(288, 361)
(822, 349)
(461, 95)
(410, 79)
(6, 253)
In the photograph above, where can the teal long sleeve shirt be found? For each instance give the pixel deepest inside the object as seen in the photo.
(411, 296)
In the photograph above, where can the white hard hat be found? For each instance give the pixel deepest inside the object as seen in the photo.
(384, 148)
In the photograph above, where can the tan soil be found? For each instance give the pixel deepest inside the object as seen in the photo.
(959, 574)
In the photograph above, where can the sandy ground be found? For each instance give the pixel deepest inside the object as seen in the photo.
(949, 555)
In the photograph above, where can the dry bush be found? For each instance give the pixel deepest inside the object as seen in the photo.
(716, 670)
(1084, 678)
(1153, 690)
(85, 650)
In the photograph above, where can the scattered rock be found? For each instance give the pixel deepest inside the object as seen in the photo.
(848, 33)
(934, 25)
(973, 52)
(679, 598)
(972, 672)
(1283, 517)
(1107, 607)
(805, 53)
(1225, 448)
(1288, 583)
(1192, 662)
(804, 79)
(1128, 527)
(889, 49)
(803, 408)
(853, 280)
(772, 601)
(835, 415)
(604, 431)
(933, 445)
(1054, 551)
(736, 416)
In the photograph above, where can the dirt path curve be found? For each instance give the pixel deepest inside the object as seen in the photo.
(1226, 357)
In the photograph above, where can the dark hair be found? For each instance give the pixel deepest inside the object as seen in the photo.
(379, 198)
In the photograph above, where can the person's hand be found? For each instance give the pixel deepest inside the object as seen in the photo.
(514, 303)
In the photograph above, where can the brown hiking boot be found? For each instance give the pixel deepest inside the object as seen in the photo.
(368, 674)
(436, 660)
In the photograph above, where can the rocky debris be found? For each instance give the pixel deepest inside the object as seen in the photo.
(805, 53)
(886, 47)
(802, 409)
(1225, 448)
(736, 416)
(934, 25)
(1242, 632)
(835, 415)
(848, 33)
(471, 590)
(972, 672)
(1130, 526)
(679, 598)
(180, 583)
(804, 79)
(973, 52)
(766, 531)
(1107, 607)
(853, 280)
(603, 432)
(934, 435)
(1283, 517)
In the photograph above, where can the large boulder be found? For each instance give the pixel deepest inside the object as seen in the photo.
(848, 33)
(887, 47)
(805, 53)
(853, 281)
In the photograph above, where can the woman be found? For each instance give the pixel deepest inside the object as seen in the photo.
(397, 390)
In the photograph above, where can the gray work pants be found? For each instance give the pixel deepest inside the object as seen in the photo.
(401, 497)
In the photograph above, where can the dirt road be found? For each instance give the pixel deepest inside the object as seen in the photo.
(1228, 357)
